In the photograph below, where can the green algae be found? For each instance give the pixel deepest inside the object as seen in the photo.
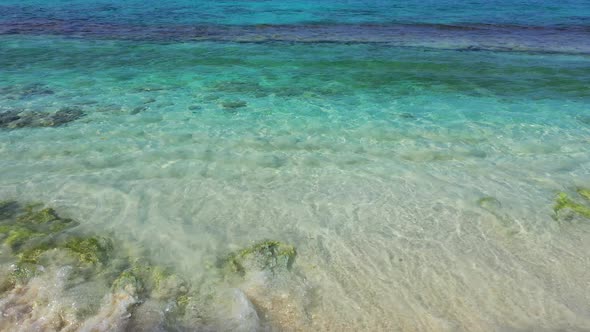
(32, 255)
(584, 192)
(489, 202)
(46, 218)
(265, 255)
(42, 242)
(90, 250)
(161, 282)
(33, 230)
(34, 215)
(18, 236)
(563, 202)
(127, 281)
(26, 226)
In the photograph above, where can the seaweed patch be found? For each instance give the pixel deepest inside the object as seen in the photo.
(567, 207)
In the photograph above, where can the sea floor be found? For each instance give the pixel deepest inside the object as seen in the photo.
(417, 187)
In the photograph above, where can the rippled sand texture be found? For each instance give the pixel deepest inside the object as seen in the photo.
(417, 185)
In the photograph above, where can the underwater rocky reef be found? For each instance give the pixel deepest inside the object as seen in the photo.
(19, 119)
(53, 277)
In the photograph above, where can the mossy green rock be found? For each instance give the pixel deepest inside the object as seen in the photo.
(127, 282)
(584, 192)
(563, 202)
(32, 255)
(38, 216)
(16, 237)
(19, 224)
(265, 255)
(45, 219)
(90, 250)
(161, 283)
(489, 203)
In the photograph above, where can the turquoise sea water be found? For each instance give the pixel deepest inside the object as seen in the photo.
(410, 152)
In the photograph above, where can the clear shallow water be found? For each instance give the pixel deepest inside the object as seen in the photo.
(371, 159)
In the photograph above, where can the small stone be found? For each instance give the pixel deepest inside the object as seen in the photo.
(266, 255)
(138, 109)
(489, 203)
(8, 117)
(231, 105)
(407, 116)
(65, 115)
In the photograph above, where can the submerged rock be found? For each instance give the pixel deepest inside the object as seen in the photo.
(408, 116)
(237, 87)
(90, 250)
(242, 315)
(65, 115)
(12, 119)
(55, 272)
(233, 104)
(489, 203)
(584, 192)
(35, 89)
(563, 203)
(26, 91)
(266, 255)
(8, 117)
(117, 306)
(138, 109)
(29, 227)
(41, 243)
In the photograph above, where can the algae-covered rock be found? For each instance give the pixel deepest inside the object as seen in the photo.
(489, 203)
(27, 226)
(564, 202)
(32, 255)
(38, 216)
(35, 217)
(90, 250)
(127, 282)
(16, 237)
(12, 119)
(8, 117)
(41, 242)
(265, 255)
(161, 283)
(44, 219)
(65, 115)
(233, 104)
(584, 192)
(117, 306)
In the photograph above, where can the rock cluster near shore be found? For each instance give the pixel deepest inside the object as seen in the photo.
(53, 277)
(567, 208)
(12, 119)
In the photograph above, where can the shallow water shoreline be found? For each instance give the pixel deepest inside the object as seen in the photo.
(425, 175)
